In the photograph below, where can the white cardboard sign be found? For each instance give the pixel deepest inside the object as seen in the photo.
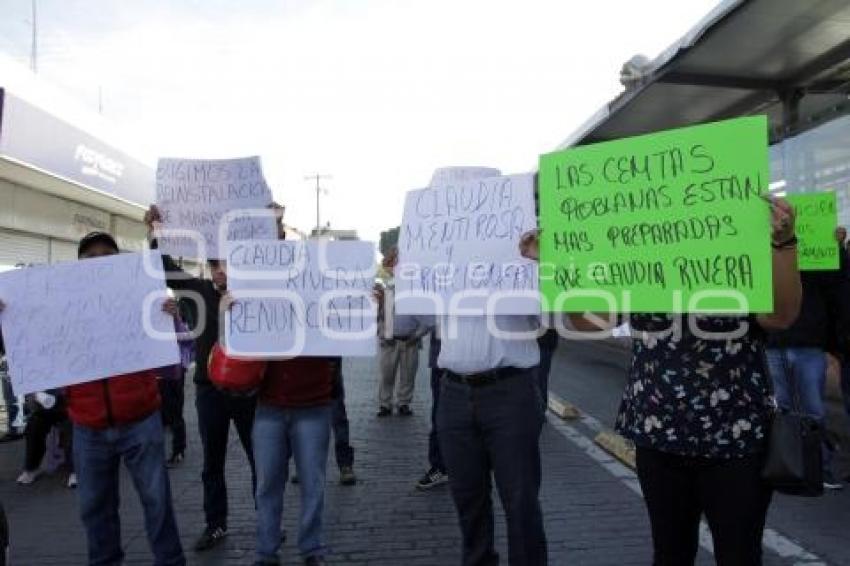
(84, 320)
(459, 248)
(301, 298)
(205, 200)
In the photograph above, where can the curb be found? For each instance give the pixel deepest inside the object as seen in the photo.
(620, 448)
(563, 409)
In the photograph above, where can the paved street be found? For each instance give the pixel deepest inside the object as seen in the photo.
(593, 513)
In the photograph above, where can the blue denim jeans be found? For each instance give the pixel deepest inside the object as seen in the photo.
(304, 434)
(494, 431)
(845, 383)
(808, 373)
(97, 457)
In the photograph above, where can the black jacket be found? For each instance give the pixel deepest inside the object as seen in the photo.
(823, 313)
(186, 284)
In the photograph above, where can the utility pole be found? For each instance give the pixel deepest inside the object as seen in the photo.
(318, 177)
(34, 45)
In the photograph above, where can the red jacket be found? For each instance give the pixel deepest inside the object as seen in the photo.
(299, 382)
(118, 400)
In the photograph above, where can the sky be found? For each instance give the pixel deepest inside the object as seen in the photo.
(375, 93)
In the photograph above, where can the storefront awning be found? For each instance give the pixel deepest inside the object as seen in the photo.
(784, 58)
(44, 151)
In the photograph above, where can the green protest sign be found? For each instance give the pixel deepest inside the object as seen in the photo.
(666, 222)
(817, 219)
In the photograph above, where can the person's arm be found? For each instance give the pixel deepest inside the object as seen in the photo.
(175, 277)
(787, 290)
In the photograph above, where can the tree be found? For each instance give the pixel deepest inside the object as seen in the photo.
(389, 238)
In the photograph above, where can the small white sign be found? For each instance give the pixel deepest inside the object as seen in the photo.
(205, 201)
(80, 321)
(301, 298)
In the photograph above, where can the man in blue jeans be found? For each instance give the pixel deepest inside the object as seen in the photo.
(797, 356)
(293, 418)
(117, 419)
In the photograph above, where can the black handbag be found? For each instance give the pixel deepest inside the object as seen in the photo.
(794, 461)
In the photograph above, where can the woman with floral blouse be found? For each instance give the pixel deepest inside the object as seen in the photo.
(698, 406)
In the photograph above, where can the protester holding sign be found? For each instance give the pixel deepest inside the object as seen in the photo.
(216, 409)
(293, 419)
(118, 419)
(698, 406)
(489, 418)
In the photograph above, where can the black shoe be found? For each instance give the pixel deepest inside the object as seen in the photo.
(347, 475)
(210, 538)
(175, 460)
(315, 561)
(432, 479)
(385, 412)
(294, 478)
(405, 411)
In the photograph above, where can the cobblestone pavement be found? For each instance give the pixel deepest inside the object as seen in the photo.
(593, 514)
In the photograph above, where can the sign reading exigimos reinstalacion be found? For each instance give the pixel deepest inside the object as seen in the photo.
(673, 221)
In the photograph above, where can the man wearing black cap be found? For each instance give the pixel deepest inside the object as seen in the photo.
(216, 409)
(117, 419)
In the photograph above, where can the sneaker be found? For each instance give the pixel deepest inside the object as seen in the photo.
(315, 561)
(405, 411)
(27, 477)
(210, 538)
(432, 479)
(175, 460)
(830, 482)
(385, 412)
(72, 481)
(346, 475)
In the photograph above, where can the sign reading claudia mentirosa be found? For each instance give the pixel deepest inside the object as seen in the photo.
(816, 221)
(301, 298)
(205, 200)
(666, 222)
(459, 248)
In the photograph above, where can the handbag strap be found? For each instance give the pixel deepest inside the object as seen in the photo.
(791, 381)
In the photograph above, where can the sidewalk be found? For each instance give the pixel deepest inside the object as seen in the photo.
(593, 515)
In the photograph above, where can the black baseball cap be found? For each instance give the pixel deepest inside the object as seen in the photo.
(94, 237)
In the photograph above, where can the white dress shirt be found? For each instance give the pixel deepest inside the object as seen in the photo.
(471, 347)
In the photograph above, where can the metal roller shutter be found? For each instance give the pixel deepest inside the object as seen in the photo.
(18, 248)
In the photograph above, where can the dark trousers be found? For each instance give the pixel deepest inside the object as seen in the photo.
(12, 406)
(39, 425)
(679, 490)
(216, 410)
(173, 397)
(494, 431)
(339, 423)
(435, 458)
(548, 342)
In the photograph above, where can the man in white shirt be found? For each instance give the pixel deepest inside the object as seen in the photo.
(489, 420)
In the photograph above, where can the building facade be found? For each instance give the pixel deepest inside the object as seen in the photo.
(59, 182)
